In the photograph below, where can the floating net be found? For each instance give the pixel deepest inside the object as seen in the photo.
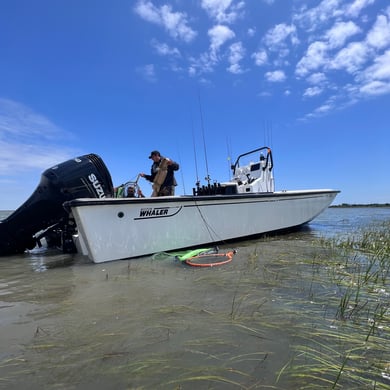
(202, 257)
(207, 258)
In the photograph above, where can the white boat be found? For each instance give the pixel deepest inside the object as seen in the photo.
(117, 228)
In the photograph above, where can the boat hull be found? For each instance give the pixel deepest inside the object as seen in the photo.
(113, 229)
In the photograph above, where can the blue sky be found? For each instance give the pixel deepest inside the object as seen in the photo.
(310, 79)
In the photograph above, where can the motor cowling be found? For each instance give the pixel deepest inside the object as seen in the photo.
(82, 177)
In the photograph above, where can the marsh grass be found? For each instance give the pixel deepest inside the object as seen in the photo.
(349, 347)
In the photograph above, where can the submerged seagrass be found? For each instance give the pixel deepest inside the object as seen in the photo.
(346, 344)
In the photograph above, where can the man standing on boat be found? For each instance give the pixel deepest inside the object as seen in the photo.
(162, 175)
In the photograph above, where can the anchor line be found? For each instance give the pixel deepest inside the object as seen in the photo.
(209, 228)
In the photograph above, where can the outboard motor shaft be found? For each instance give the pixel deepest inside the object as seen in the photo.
(82, 177)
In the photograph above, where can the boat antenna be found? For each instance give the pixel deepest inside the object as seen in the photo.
(207, 178)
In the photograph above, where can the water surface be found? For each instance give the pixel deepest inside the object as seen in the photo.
(154, 322)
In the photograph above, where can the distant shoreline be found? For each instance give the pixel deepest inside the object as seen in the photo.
(361, 205)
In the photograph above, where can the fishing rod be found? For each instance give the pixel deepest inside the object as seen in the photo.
(229, 154)
(207, 178)
(196, 161)
(268, 133)
(182, 173)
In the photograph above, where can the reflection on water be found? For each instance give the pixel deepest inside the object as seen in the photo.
(147, 323)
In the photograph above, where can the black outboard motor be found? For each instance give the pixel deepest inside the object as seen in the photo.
(82, 177)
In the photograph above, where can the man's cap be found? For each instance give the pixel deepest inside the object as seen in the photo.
(154, 153)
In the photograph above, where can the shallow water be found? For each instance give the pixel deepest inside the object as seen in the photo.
(154, 322)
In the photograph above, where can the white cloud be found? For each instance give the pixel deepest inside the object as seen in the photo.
(206, 62)
(219, 34)
(375, 88)
(174, 22)
(260, 57)
(236, 54)
(381, 68)
(361, 59)
(18, 119)
(336, 46)
(275, 76)
(317, 78)
(202, 64)
(324, 108)
(379, 36)
(315, 57)
(164, 49)
(327, 12)
(312, 91)
(21, 157)
(279, 41)
(277, 36)
(351, 58)
(375, 80)
(353, 10)
(29, 140)
(192, 70)
(251, 31)
(147, 11)
(223, 11)
(148, 72)
(321, 55)
(314, 18)
(235, 68)
(340, 32)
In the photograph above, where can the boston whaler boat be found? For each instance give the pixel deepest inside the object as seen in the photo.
(107, 228)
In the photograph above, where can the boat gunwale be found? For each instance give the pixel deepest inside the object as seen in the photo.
(81, 202)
